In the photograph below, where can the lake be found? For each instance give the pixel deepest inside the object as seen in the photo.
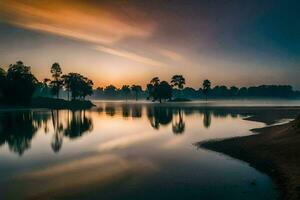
(130, 151)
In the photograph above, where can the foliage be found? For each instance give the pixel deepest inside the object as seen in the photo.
(20, 83)
(110, 90)
(79, 85)
(57, 82)
(136, 89)
(125, 90)
(178, 81)
(159, 90)
(2, 82)
(206, 87)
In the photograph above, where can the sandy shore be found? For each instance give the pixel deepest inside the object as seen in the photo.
(275, 151)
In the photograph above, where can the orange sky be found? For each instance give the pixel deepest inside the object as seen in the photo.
(119, 42)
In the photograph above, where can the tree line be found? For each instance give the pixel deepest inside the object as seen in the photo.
(157, 90)
(18, 85)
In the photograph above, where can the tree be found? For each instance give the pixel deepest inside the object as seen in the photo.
(152, 88)
(110, 91)
(206, 87)
(178, 126)
(178, 81)
(86, 87)
(233, 91)
(79, 85)
(67, 83)
(159, 90)
(164, 91)
(155, 81)
(57, 81)
(20, 83)
(136, 89)
(2, 82)
(125, 90)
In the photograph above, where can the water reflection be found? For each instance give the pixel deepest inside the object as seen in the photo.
(18, 128)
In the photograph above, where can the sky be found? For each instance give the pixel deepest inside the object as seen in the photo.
(120, 42)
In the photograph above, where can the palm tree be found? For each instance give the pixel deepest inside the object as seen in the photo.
(206, 87)
(178, 81)
(155, 81)
(57, 81)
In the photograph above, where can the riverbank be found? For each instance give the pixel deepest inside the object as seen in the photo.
(52, 103)
(275, 150)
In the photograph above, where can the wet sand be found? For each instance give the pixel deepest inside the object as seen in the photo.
(275, 150)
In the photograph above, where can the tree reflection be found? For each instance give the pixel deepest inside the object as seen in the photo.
(17, 130)
(178, 126)
(78, 125)
(159, 116)
(110, 110)
(125, 110)
(57, 138)
(136, 111)
(206, 118)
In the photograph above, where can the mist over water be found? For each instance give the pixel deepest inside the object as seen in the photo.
(125, 150)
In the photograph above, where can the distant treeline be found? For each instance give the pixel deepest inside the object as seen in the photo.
(217, 92)
(162, 90)
(18, 85)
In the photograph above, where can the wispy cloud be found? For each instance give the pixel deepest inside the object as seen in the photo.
(72, 20)
(101, 27)
(171, 55)
(130, 56)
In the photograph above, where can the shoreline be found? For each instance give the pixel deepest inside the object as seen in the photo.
(51, 103)
(274, 150)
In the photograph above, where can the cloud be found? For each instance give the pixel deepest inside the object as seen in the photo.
(101, 26)
(171, 55)
(87, 23)
(130, 56)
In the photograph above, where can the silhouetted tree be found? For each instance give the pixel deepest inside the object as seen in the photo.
(79, 85)
(164, 91)
(206, 87)
(125, 90)
(136, 89)
(155, 81)
(86, 87)
(110, 91)
(57, 82)
(178, 81)
(233, 91)
(20, 83)
(2, 82)
(159, 90)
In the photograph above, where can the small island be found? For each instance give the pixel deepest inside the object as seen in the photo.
(21, 89)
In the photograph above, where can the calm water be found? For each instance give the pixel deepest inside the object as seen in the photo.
(124, 151)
